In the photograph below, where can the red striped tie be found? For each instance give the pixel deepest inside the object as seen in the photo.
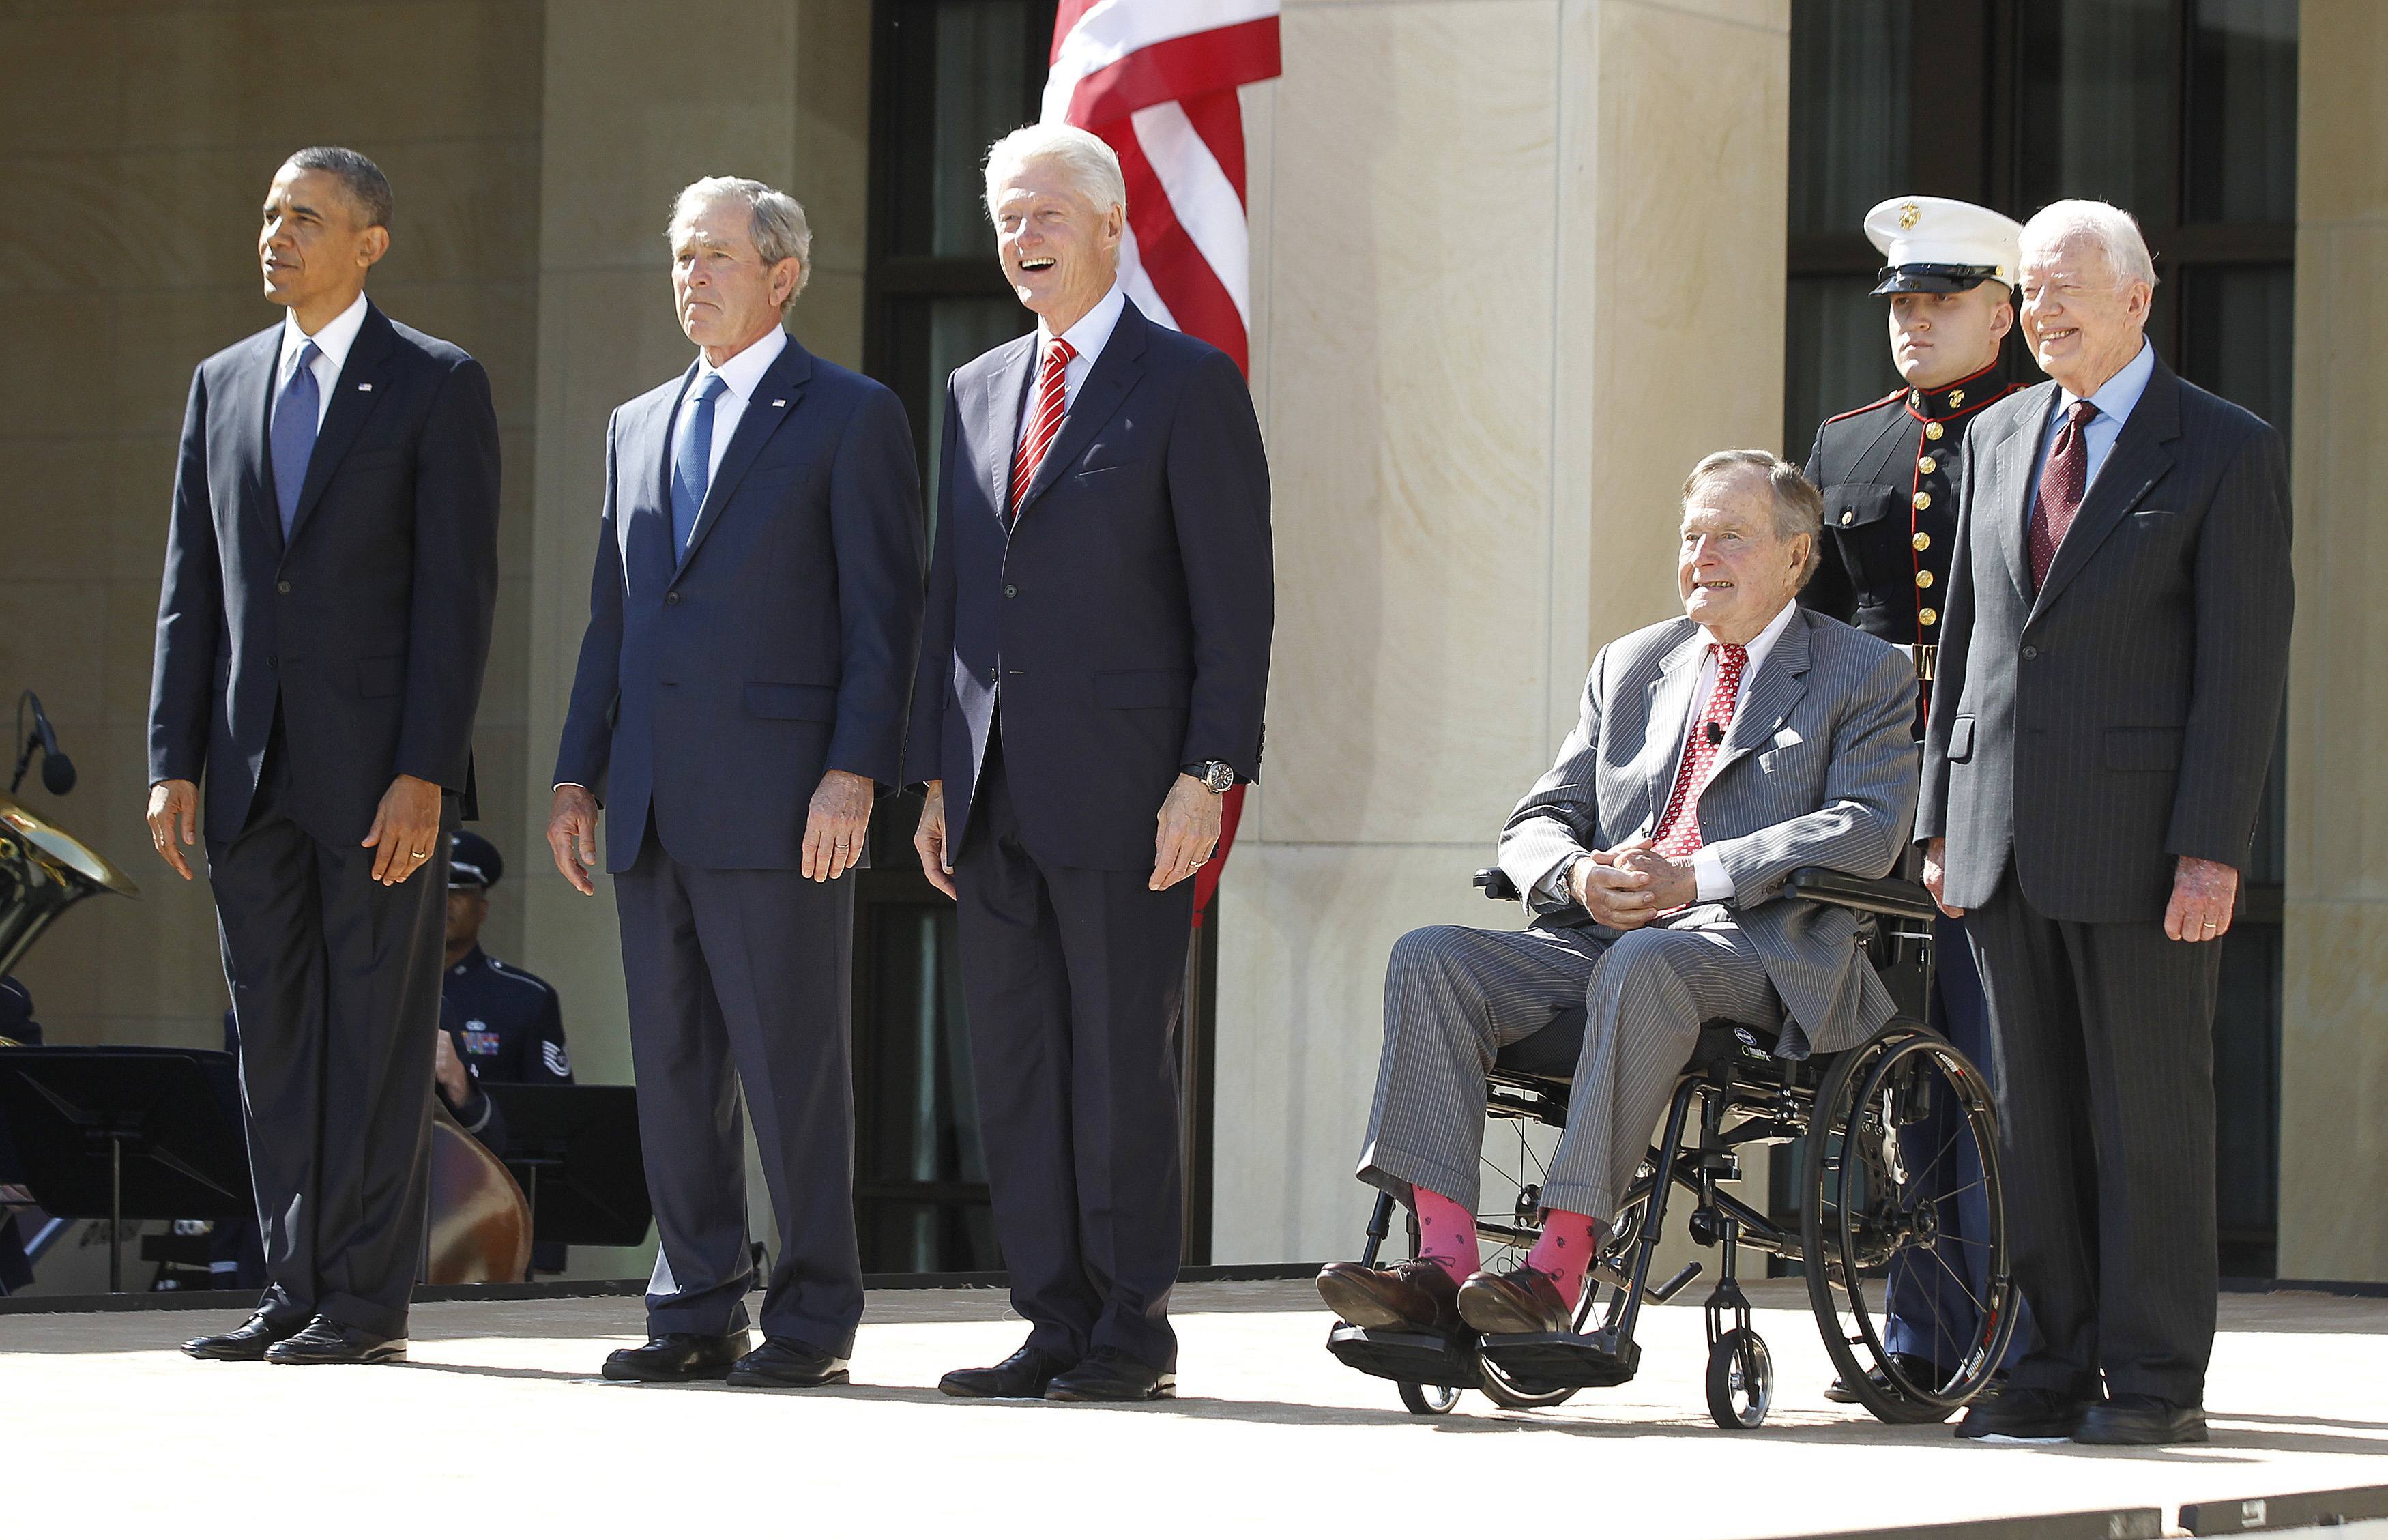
(1046, 424)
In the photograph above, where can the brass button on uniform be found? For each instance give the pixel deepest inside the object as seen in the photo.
(1927, 464)
(1923, 541)
(1924, 578)
(1849, 516)
(1928, 616)
(1932, 431)
(1922, 500)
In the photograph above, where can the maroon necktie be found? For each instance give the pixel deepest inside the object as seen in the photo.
(2060, 489)
(1044, 422)
(1679, 831)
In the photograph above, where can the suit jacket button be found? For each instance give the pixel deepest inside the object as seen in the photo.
(1010, 592)
(672, 597)
(273, 660)
(2030, 652)
(282, 587)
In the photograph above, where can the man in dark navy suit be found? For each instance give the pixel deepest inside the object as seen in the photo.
(1091, 679)
(331, 569)
(738, 703)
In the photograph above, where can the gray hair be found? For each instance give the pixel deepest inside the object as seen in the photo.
(2102, 225)
(363, 181)
(1093, 166)
(780, 228)
(1799, 506)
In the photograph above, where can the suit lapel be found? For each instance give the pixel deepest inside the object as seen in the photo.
(2013, 462)
(363, 386)
(1768, 699)
(644, 461)
(253, 394)
(1007, 396)
(2136, 462)
(776, 397)
(1670, 712)
(1107, 383)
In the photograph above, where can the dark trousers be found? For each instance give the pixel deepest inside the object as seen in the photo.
(1072, 979)
(1935, 1297)
(2104, 1037)
(336, 985)
(744, 978)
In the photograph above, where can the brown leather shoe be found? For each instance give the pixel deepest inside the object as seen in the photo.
(1417, 1294)
(1518, 1301)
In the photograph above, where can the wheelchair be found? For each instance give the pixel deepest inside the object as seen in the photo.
(1887, 1140)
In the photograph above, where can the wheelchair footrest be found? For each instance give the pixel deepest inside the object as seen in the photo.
(1564, 1358)
(1418, 1357)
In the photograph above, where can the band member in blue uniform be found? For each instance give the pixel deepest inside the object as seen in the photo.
(1889, 472)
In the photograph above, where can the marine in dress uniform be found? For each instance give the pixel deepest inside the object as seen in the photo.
(511, 1021)
(1889, 471)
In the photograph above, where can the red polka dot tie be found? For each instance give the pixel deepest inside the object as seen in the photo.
(1044, 424)
(1679, 831)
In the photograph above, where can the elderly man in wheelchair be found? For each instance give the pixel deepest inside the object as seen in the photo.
(1705, 854)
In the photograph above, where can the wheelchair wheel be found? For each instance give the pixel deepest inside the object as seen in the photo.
(1427, 1400)
(1514, 1394)
(1900, 1207)
(1741, 1379)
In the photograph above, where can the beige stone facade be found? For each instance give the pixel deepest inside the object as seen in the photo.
(1517, 263)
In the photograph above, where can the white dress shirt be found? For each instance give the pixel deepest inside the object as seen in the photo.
(1708, 868)
(335, 341)
(741, 374)
(1087, 337)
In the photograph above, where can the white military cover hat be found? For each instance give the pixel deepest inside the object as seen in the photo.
(1939, 246)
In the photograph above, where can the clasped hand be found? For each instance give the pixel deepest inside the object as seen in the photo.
(1628, 888)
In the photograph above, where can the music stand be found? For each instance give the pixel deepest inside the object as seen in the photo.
(112, 1133)
(576, 1151)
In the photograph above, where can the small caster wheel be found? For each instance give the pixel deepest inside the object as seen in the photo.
(1741, 1379)
(1427, 1400)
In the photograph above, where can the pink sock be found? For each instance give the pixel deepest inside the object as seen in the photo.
(1446, 1233)
(1565, 1251)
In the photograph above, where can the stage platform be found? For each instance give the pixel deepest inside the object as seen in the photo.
(499, 1425)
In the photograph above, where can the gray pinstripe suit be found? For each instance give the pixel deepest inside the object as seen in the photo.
(2083, 737)
(1818, 768)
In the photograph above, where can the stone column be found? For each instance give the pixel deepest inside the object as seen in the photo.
(1518, 263)
(2333, 1052)
(638, 103)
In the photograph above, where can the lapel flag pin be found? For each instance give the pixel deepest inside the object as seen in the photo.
(366, 386)
(780, 402)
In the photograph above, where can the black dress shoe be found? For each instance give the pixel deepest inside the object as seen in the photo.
(245, 1343)
(1022, 1377)
(1919, 1371)
(325, 1341)
(2021, 1414)
(2141, 1420)
(670, 1356)
(785, 1361)
(1107, 1374)
(1416, 1296)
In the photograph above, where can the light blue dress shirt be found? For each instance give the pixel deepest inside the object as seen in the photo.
(2115, 401)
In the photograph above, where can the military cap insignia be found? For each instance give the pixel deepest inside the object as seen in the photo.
(1908, 214)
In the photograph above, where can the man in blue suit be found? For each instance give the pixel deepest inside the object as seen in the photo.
(331, 571)
(739, 701)
(1091, 679)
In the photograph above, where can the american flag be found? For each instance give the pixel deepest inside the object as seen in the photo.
(1156, 80)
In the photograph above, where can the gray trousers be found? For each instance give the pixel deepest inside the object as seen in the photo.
(1455, 997)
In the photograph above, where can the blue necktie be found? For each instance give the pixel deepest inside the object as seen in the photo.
(692, 466)
(293, 437)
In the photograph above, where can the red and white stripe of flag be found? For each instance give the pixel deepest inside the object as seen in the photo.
(1156, 80)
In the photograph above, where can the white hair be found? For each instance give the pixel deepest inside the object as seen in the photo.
(1092, 166)
(780, 228)
(2102, 225)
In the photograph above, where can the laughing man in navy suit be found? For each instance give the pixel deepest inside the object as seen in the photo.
(740, 700)
(1092, 670)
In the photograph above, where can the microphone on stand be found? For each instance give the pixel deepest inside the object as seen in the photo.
(57, 771)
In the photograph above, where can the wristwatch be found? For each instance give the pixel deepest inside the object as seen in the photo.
(1216, 775)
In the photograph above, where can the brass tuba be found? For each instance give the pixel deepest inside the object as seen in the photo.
(43, 873)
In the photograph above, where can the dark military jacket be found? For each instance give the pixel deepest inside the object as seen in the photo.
(513, 1027)
(1889, 472)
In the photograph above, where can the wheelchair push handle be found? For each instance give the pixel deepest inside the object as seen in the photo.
(1891, 895)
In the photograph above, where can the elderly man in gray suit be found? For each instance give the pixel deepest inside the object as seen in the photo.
(1718, 752)
(2111, 662)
